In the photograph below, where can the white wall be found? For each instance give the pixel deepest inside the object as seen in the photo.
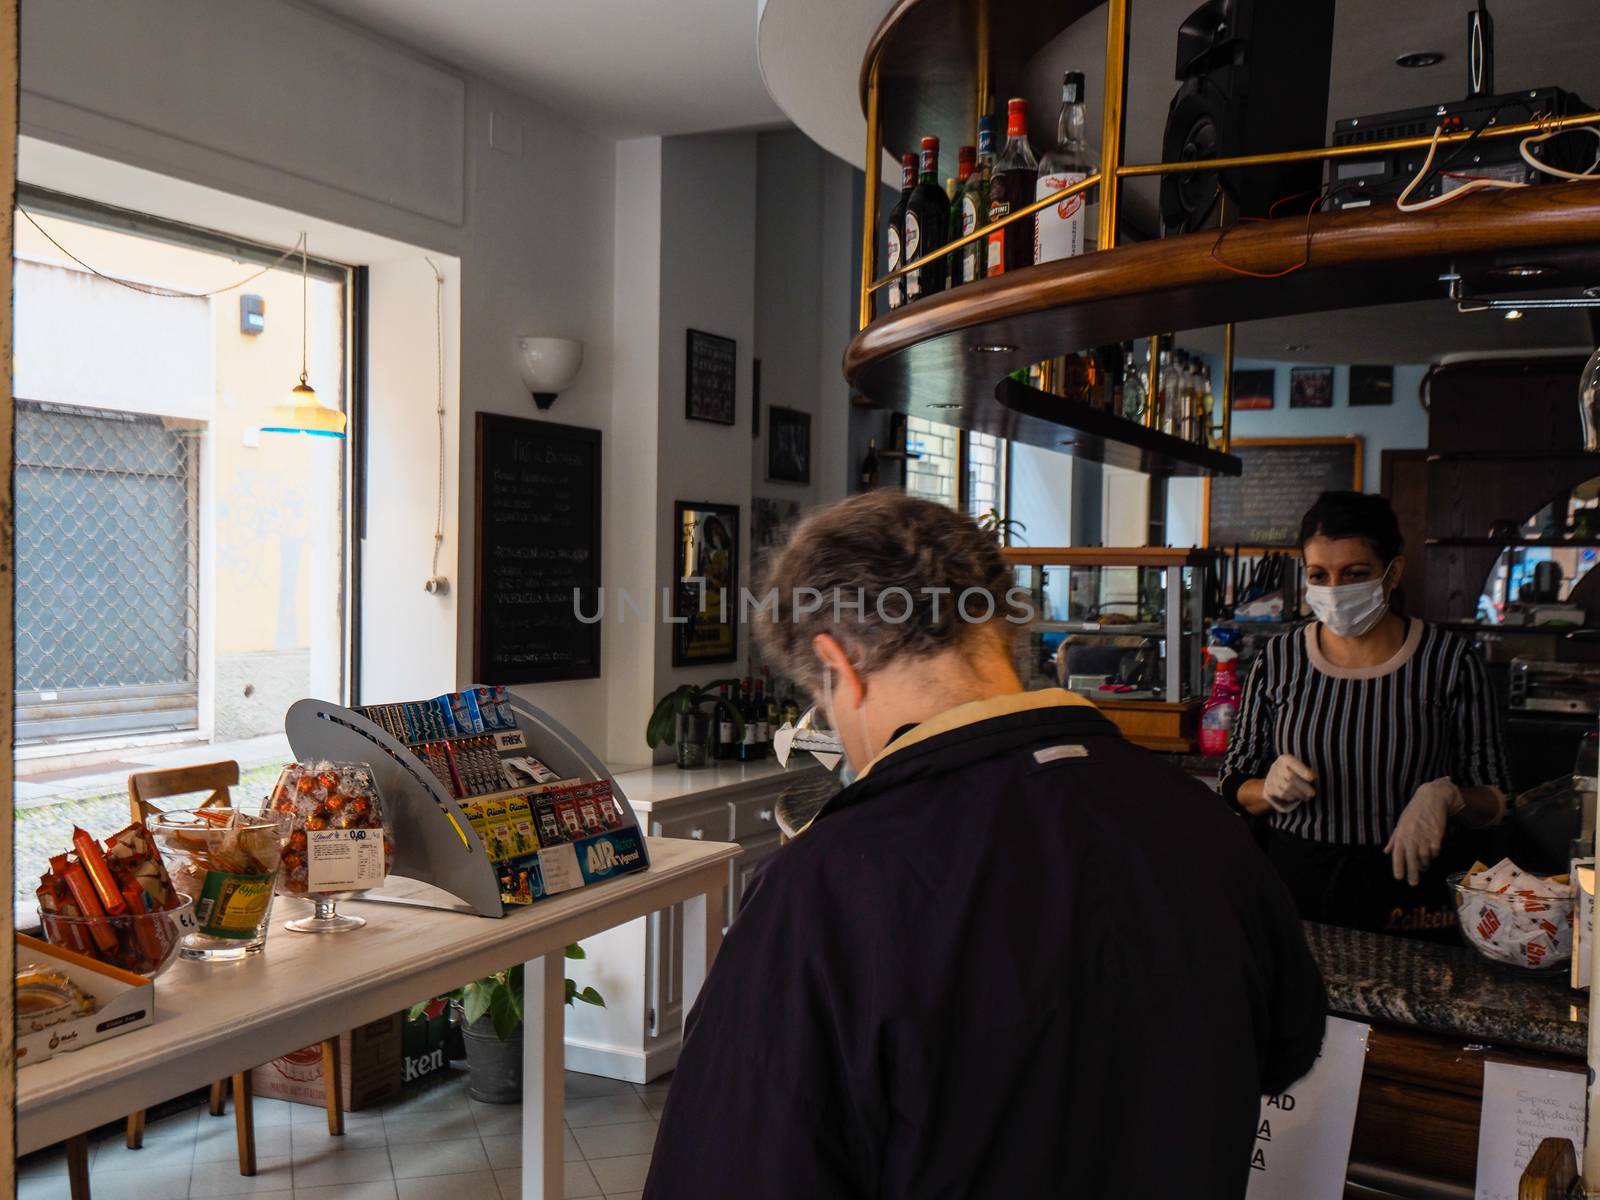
(1041, 494)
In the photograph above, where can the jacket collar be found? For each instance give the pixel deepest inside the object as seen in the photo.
(975, 711)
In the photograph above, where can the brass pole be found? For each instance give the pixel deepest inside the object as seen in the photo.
(1152, 399)
(1111, 127)
(869, 223)
(1227, 388)
(1355, 151)
(982, 41)
(1028, 210)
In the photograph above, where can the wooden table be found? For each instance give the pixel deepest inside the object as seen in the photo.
(214, 1019)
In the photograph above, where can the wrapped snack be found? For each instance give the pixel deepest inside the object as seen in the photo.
(1514, 917)
(226, 862)
(328, 805)
(46, 997)
(93, 861)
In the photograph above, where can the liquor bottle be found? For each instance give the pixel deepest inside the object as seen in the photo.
(966, 160)
(1011, 186)
(1133, 389)
(897, 223)
(974, 204)
(791, 707)
(774, 714)
(725, 742)
(1058, 231)
(747, 744)
(1208, 403)
(869, 466)
(927, 222)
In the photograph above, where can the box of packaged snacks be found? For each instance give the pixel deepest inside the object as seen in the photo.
(66, 1000)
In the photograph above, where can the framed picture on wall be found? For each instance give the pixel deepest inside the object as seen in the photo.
(1254, 389)
(1371, 385)
(788, 445)
(705, 575)
(1311, 387)
(709, 384)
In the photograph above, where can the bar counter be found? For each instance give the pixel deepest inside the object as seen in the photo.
(1447, 990)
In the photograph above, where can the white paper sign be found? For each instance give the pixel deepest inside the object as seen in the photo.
(1521, 1107)
(558, 867)
(344, 860)
(1302, 1146)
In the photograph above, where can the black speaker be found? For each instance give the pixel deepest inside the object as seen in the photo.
(1254, 76)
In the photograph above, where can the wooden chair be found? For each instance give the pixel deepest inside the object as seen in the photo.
(217, 778)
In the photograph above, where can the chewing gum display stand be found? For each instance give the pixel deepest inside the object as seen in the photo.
(434, 839)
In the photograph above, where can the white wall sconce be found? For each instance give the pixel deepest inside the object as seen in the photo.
(548, 365)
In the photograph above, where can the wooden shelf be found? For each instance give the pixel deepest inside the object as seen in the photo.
(942, 357)
(1108, 556)
(1487, 543)
(1097, 629)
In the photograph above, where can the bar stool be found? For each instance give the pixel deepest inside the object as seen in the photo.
(217, 778)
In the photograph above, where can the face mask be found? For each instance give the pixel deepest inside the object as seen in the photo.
(1352, 609)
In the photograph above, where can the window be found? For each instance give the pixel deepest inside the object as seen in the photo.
(985, 471)
(963, 470)
(181, 575)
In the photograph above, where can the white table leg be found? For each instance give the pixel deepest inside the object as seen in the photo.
(702, 936)
(543, 1076)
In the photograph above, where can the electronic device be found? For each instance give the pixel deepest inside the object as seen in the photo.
(1254, 76)
(1356, 182)
(1555, 687)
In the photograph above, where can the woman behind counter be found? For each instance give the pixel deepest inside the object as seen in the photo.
(1365, 735)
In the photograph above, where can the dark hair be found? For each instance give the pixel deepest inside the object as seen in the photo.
(1354, 514)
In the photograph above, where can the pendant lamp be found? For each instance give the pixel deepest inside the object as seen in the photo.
(303, 412)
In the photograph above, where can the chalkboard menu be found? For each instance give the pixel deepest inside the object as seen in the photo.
(1281, 479)
(538, 556)
(709, 384)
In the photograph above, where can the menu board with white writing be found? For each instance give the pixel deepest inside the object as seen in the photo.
(1263, 505)
(538, 552)
(1302, 1146)
(1521, 1107)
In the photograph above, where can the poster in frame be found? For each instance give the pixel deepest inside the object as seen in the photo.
(705, 583)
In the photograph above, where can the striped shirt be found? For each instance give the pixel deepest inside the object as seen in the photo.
(1374, 735)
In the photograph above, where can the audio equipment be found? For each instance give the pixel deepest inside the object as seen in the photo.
(1254, 80)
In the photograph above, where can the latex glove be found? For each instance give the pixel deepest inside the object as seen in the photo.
(1289, 783)
(1420, 831)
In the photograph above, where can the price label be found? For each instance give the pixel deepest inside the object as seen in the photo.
(344, 860)
(558, 866)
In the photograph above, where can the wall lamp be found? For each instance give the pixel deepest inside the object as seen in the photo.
(548, 365)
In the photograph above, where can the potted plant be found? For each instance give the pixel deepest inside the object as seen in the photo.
(491, 1025)
(679, 718)
(1005, 529)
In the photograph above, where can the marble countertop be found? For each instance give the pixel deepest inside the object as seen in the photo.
(649, 786)
(1447, 989)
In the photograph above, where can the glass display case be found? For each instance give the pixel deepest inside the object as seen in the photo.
(1122, 627)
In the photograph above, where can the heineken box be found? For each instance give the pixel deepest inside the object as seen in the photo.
(423, 1046)
(369, 1067)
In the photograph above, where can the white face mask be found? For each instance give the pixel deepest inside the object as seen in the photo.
(1351, 609)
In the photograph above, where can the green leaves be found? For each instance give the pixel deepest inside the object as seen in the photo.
(500, 997)
(588, 995)
(662, 727)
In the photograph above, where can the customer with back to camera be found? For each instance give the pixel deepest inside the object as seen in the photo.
(1016, 956)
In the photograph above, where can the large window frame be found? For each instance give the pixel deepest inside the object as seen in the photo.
(352, 375)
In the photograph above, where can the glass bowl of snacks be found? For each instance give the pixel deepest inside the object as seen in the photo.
(226, 862)
(145, 943)
(115, 903)
(1515, 919)
(339, 842)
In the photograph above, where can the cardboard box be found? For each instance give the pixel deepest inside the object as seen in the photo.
(124, 1002)
(369, 1065)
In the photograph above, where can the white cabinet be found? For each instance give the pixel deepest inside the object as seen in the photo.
(636, 967)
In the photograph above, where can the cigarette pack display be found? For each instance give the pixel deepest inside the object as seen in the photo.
(103, 1000)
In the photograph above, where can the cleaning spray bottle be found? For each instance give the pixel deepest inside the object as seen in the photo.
(1222, 707)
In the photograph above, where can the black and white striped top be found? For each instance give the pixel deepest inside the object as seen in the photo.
(1373, 735)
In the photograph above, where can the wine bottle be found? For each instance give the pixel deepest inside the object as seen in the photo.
(747, 744)
(975, 202)
(774, 716)
(1011, 186)
(897, 224)
(1058, 230)
(763, 728)
(927, 222)
(725, 742)
(869, 466)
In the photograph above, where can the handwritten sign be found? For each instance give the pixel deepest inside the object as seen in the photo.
(538, 552)
(1302, 1145)
(710, 384)
(1521, 1107)
(1264, 504)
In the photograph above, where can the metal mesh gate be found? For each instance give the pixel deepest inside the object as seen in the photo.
(107, 550)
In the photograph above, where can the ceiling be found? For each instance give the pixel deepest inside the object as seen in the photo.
(811, 57)
(621, 68)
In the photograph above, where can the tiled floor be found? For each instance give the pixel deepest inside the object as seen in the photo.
(434, 1143)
